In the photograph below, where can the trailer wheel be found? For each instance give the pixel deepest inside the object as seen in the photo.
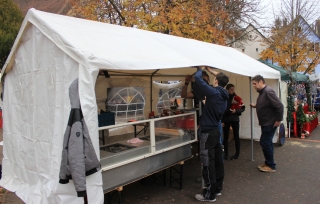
(282, 135)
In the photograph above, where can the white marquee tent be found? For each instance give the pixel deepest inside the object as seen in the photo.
(50, 52)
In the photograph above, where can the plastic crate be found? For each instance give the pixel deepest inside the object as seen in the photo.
(186, 123)
(190, 123)
(106, 119)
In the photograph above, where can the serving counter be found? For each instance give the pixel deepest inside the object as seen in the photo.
(166, 143)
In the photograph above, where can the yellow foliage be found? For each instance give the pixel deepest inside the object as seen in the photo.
(201, 20)
(292, 50)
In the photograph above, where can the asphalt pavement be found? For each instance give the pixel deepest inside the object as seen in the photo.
(297, 179)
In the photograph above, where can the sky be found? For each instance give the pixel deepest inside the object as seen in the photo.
(268, 15)
(273, 6)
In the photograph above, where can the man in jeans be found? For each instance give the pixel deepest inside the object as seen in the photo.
(210, 145)
(270, 114)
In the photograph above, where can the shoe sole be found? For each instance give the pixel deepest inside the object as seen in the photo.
(204, 200)
(259, 167)
(218, 194)
(268, 171)
(210, 201)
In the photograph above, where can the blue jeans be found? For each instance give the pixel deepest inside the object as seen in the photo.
(267, 133)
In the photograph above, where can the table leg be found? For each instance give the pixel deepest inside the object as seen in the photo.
(103, 139)
(135, 130)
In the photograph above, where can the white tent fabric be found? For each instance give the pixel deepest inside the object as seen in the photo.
(36, 110)
(101, 45)
(314, 77)
(48, 54)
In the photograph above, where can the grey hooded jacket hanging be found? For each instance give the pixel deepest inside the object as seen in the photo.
(78, 156)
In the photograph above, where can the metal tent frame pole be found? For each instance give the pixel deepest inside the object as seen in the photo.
(151, 76)
(200, 113)
(251, 118)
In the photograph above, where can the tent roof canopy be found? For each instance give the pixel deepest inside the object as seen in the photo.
(133, 51)
(285, 74)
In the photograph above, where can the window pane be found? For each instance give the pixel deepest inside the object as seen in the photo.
(125, 102)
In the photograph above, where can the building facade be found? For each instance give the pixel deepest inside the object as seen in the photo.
(249, 41)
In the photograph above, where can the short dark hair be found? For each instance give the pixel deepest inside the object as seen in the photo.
(258, 78)
(229, 86)
(204, 73)
(222, 79)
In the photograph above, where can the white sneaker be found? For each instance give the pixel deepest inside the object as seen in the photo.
(201, 198)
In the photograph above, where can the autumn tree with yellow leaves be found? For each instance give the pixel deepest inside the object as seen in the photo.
(10, 22)
(293, 44)
(207, 20)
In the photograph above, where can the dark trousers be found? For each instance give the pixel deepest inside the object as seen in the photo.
(235, 128)
(211, 159)
(267, 133)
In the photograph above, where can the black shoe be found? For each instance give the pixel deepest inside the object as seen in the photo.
(201, 198)
(218, 193)
(234, 157)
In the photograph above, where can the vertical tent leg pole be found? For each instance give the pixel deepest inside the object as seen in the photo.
(200, 113)
(181, 175)
(251, 119)
(151, 81)
(289, 131)
(119, 194)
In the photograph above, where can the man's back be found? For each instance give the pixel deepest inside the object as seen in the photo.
(216, 104)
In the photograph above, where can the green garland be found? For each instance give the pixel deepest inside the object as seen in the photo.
(301, 117)
(312, 117)
(290, 103)
(308, 95)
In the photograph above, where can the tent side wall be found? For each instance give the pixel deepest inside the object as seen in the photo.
(36, 110)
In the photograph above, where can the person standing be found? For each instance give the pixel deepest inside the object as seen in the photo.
(190, 95)
(210, 146)
(231, 118)
(270, 114)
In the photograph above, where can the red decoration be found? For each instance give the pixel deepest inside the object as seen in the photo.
(295, 125)
(306, 108)
(1, 121)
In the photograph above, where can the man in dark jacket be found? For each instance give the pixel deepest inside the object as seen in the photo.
(270, 114)
(210, 146)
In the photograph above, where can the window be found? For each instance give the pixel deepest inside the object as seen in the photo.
(257, 50)
(316, 47)
(170, 98)
(312, 47)
(242, 50)
(126, 102)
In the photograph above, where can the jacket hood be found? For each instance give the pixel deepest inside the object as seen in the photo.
(74, 94)
(224, 93)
